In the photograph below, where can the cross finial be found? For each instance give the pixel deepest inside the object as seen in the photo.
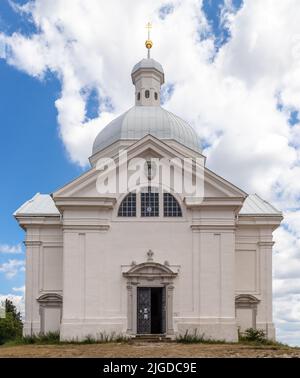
(149, 27)
(149, 43)
(150, 255)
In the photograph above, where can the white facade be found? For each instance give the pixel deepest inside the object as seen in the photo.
(86, 265)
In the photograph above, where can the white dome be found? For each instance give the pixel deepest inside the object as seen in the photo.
(140, 121)
(148, 64)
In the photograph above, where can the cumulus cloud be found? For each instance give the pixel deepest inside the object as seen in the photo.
(239, 96)
(287, 317)
(96, 54)
(18, 301)
(12, 267)
(19, 289)
(11, 249)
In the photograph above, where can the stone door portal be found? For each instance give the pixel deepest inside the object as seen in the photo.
(150, 298)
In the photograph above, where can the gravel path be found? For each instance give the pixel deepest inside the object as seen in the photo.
(147, 350)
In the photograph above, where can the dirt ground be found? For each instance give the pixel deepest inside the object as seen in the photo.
(136, 349)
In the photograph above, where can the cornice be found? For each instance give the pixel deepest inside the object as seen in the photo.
(213, 202)
(32, 243)
(67, 202)
(265, 243)
(35, 221)
(259, 220)
(216, 227)
(85, 227)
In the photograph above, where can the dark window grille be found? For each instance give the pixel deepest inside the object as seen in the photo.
(139, 96)
(156, 96)
(149, 204)
(171, 206)
(128, 206)
(147, 93)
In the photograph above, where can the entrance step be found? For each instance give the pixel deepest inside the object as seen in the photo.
(151, 338)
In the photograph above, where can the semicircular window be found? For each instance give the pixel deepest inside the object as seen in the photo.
(171, 206)
(128, 206)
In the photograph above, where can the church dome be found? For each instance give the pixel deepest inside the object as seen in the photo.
(147, 117)
(148, 64)
(140, 121)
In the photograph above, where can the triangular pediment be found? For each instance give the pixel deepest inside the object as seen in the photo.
(85, 186)
(149, 146)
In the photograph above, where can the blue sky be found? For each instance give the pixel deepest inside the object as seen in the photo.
(246, 55)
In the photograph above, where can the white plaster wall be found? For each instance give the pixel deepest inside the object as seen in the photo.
(254, 272)
(52, 317)
(246, 271)
(86, 263)
(44, 252)
(244, 318)
(95, 293)
(51, 266)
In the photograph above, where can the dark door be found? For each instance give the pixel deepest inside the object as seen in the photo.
(144, 310)
(150, 310)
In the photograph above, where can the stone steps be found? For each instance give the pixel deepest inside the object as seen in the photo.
(151, 338)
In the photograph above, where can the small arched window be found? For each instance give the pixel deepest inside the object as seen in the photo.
(139, 96)
(147, 93)
(128, 206)
(171, 206)
(156, 96)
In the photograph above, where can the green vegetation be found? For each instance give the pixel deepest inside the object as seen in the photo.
(255, 337)
(47, 339)
(103, 337)
(52, 338)
(11, 325)
(194, 338)
(11, 334)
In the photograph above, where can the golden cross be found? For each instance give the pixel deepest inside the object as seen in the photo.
(149, 27)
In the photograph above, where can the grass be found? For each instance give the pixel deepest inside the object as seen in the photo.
(194, 338)
(254, 338)
(52, 338)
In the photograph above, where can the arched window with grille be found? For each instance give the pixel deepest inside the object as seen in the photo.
(147, 93)
(128, 206)
(149, 203)
(171, 206)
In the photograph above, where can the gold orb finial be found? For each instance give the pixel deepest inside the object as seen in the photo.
(149, 44)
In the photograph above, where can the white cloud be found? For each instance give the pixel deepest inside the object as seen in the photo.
(239, 99)
(12, 268)
(19, 289)
(11, 249)
(18, 301)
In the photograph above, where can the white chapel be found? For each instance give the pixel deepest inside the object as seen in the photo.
(151, 260)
